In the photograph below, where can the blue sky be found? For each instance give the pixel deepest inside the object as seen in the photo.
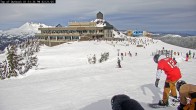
(150, 15)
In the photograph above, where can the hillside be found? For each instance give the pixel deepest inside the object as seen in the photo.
(64, 80)
(187, 42)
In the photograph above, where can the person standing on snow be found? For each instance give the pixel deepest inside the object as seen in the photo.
(121, 56)
(186, 91)
(94, 59)
(193, 54)
(173, 75)
(119, 65)
(187, 57)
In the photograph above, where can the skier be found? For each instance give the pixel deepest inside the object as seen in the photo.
(119, 65)
(173, 75)
(130, 54)
(121, 56)
(187, 57)
(189, 54)
(186, 91)
(124, 102)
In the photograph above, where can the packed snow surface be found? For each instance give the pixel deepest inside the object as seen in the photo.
(64, 80)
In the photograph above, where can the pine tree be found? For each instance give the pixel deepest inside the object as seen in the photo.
(12, 61)
(1, 70)
(19, 59)
(4, 70)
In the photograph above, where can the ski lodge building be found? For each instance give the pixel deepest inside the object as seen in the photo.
(76, 31)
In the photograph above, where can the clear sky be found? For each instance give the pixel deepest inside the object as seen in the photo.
(150, 15)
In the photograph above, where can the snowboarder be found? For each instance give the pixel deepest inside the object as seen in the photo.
(119, 65)
(173, 75)
(186, 91)
(124, 102)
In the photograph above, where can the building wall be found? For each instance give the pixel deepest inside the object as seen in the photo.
(53, 35)
(108, 33)
(137, 33)
(129, 33)
(82, 24)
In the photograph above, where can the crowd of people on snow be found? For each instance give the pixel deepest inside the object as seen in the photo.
(167, 65)
(173, 53)
(132, 41)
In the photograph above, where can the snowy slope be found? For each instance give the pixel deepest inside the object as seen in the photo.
(65, 81)
(118, 34)
(172, 35)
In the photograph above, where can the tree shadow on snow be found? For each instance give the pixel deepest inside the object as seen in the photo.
(156, 91)
(104, 104)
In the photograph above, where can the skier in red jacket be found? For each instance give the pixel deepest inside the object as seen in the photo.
(173, 75)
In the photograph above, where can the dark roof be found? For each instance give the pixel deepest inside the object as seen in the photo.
(59, 25)
(108, 25)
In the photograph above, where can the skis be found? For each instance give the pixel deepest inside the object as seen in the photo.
(156, 105)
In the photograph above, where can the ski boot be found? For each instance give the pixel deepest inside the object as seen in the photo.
(161, 103)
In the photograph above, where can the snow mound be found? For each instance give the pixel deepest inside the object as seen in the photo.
(100, 22)
(118, 34)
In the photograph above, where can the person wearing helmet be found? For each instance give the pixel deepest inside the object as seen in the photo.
(124, 102)
(168, 65)
(186, 91)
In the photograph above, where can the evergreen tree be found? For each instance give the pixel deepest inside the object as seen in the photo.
(19, 59)
(4, 70)
(1, 70)
(12, 60)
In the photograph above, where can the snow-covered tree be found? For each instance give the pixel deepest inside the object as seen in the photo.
(32, 46)
(1, 70)
(19, 59)
(104, 57)
(12, 60)
(4, 70)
